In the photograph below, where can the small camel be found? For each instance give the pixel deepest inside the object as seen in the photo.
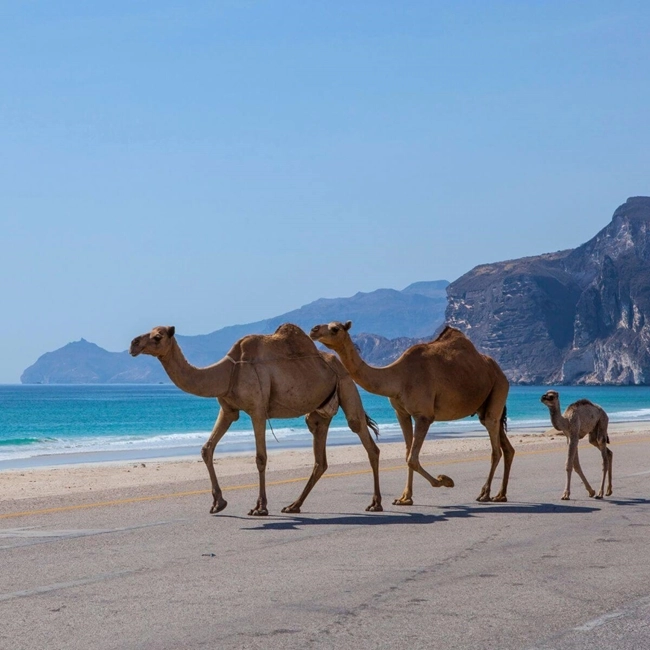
(282, 375)
(445, 379)
(581, 418)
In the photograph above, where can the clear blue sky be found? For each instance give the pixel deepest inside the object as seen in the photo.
(209, 163)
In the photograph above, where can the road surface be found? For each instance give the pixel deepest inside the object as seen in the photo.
(154, 569)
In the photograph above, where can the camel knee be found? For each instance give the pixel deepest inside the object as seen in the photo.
(355, 425)
(206, 453)
(320, 468)
(413, 463)
(260, 461)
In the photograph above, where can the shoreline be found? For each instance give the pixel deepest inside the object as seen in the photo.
(90, 477)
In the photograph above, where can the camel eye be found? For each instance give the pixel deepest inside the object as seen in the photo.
(334, 330)
(157, 338)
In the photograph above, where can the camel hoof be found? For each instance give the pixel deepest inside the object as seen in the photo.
(375, 507)
(483, 498)
(291, 508)
(403, 502)
(499, 498)
(598, 496)
(608, 493)
(258, 512)
(218, 506)
(565, 497)
(445, 481)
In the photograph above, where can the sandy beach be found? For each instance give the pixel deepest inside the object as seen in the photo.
(95, 477)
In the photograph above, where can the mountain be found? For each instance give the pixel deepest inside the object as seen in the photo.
(393, 319)
(576, 316)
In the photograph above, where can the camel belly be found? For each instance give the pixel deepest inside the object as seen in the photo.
(445, 405)
(298, 387)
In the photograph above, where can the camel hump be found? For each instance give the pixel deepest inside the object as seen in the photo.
(450, 341)
(287, 341)
(449, 333)
(294, 340)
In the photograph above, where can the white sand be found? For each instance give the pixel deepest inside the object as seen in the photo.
(44, 482)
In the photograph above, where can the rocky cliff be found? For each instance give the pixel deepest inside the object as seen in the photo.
(576, 316)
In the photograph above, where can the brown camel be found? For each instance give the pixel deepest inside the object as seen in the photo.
(445, 379)
(581, 418)
(282, 375)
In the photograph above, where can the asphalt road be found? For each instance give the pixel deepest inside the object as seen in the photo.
(115, 570)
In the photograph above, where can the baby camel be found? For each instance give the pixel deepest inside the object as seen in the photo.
(581, 418)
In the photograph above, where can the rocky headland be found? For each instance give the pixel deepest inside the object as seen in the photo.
(578, 316)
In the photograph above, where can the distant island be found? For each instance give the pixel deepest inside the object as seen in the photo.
(579, 316)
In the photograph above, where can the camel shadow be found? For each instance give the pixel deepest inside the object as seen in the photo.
(627, 502)
(297, 521)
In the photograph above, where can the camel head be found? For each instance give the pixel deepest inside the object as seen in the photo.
(331, 335)
(156, 343)
(551, 398)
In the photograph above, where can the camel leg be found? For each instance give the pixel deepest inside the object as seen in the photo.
(508, 455)
(571, 454)
(492, 425)
(607, 457)
(353, 408)
(610, 454)
(610, 458)
(225, 418)
(318, 426)
(259, 427)
(422, 425)
(492, 417)
(578, 469)
(406, 424)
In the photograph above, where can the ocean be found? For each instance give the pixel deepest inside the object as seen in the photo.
(43, 425)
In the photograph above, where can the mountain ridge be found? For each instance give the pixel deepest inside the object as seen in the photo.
(383, 315)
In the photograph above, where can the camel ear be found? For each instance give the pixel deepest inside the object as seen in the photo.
(171, 331)
(347, 325)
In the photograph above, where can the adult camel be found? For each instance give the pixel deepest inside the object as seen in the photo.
(445, 379)
(282, 375)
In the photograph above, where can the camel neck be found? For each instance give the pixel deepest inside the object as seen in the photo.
(374, 380)
(211, 381)
(558, 421)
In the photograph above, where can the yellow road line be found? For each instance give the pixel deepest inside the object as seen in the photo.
(174, 495)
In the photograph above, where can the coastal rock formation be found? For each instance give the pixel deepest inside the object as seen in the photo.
(576, 316)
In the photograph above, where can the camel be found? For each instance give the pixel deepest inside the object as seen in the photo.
(282, 375)
(445, 379)
(581, 418)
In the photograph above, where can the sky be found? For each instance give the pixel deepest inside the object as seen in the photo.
(203, 164)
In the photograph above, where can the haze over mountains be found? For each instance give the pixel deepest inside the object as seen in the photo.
(413, 313)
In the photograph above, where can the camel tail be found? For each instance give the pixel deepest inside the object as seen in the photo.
(372, 425)
(504, 418)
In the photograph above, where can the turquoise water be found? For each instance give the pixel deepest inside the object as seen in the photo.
(46, 425)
